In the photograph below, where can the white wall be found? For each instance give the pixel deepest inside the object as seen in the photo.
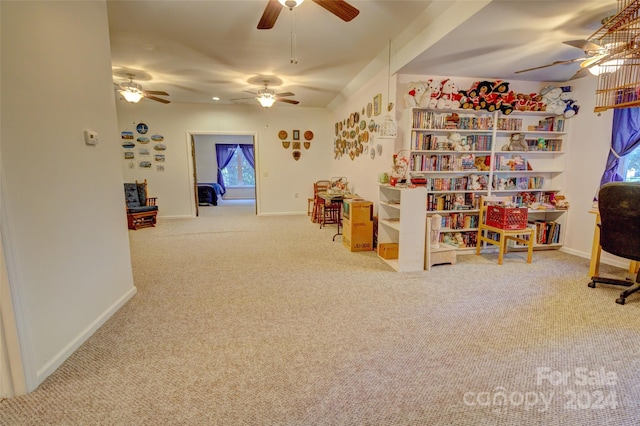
(362, 171)
(63, 223)
(278, 175)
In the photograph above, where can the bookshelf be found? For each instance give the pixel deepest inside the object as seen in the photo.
(457, 174)
(401, 221)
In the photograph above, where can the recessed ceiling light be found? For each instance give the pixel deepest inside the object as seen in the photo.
(215, 98)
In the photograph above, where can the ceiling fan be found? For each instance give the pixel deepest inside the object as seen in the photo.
(133, 92)
(340, 8)
(267, 97)
(599, 52)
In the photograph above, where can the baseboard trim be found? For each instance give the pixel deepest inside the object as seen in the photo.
(604, 259)
(70, 348)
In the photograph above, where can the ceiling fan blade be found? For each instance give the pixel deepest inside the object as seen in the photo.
(340, 8)
(155, 92)
(582, 72)
(585, 45)
(288, 101)
(248, 91)
(589, 62)
(285, 94)
(570, 61)
(153, 98)
(270, 15)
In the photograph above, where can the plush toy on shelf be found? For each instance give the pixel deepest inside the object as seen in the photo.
(457, 142)
(416, 95)
(481, 164)
(516, 143)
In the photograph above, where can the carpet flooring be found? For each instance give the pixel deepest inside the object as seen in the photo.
(264, 320)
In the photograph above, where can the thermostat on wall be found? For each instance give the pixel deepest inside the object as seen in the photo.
(90, 138)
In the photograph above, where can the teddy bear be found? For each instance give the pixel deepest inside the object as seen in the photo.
(415, 95)
(449, 95)
(480, 164)
(516, 143)
(457, 142)
(433, 87)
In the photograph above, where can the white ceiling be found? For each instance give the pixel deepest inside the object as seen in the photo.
(195, 50)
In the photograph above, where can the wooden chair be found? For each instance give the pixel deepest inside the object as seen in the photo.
(318, 203)
(141, 209)
(498, 236)
(324, 212)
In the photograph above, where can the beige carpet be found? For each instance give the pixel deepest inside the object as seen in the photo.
(246, 320)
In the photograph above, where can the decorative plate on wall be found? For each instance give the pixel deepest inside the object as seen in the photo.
(142, 128)
(282, 134)
(308, 135)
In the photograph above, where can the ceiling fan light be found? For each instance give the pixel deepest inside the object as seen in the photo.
(132, 95)
(610, 66)
(266, 100)
(291, 3)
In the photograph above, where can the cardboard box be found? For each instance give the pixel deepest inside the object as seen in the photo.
(358, 236)
(388, 250)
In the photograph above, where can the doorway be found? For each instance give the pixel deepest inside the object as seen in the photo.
(238, 151)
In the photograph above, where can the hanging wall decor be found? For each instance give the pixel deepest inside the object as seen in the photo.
(306, 144)
(286, 144)
(296, 155)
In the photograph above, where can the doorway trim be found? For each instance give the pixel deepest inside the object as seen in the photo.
(192, 164)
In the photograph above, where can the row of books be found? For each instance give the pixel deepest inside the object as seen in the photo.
(509, 124)
(430, 142)
(457, 201)
(550, 124)
(546, 232)
(445, 162)
(542, 144)
(448, 184)
(433, 120)
(522, 183)
(460, 221)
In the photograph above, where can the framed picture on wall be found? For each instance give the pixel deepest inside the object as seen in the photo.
(377, 104)
(296, 135)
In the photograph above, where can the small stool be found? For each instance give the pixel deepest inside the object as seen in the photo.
(442, 255)
(309, 206)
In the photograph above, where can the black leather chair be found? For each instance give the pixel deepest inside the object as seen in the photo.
(619, 207)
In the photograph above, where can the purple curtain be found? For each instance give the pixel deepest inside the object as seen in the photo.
(247, 150)
(625, 138)
(224, 152)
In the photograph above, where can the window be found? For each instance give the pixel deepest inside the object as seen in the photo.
(631, 166)
(239, 172)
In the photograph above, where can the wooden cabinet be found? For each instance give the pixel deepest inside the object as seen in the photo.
(465, 153)
(401, 222)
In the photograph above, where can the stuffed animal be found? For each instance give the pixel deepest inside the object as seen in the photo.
(570, 106)
(433, 88)
(416, 92)
(516, 143)
(481, 164)
(551, 99)
(449, 96)
(457, 142)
